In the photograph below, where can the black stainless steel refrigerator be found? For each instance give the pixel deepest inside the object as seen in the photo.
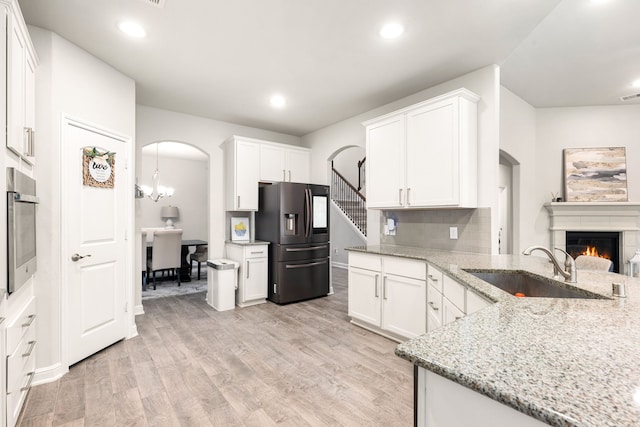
(294, 217)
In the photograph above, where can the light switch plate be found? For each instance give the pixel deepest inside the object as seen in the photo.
(453, 233)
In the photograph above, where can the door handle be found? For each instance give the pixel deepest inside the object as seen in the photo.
(77, 257)
(284, 175)
(289, 176)
(408, 197)
(400, 196)
(247, 269)
(376, 282)
(384, 287)
(433, 306)
(311, 248)
(311, 264)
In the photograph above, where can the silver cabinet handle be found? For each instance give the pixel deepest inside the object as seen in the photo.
(238, 202)
(376, 287)
(77, 257)
(289, 176)
(32, 345)
(408, 197)
(31, 375)
(384, 287)
(433, 306)
(2, 319)
(284, 175)
(29, 321)
(26, 141)
(32, 151)
(247, 269)
(400, 196)
(432, 278)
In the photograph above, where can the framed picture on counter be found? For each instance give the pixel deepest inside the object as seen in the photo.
(240, 229)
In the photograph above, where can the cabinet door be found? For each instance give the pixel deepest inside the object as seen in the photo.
(16, 57)
(475, 302)
(432, 154)
(450, 313)
(404, 309)
(255, 285)
(298, 165)
(30, 109)
(272, 163)
(247, 163)
(385, 163)
(364, 295)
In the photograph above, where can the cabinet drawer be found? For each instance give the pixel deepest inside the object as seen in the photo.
(18, 361)
(475, 302)
(368, 262)
(259, 251)
(17, 327)
(15, 398)
(405, 267)
(454, 292)
(434, 277)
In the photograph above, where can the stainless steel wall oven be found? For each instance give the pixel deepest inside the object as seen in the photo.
(21, 228)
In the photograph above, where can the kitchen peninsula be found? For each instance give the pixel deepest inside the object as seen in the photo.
(562, 362)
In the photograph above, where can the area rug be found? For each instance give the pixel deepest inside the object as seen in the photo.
(169, 288)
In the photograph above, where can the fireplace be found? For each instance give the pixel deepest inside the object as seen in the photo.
(604, 244)
(621, 218)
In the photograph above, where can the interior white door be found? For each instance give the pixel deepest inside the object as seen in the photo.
(95, 225)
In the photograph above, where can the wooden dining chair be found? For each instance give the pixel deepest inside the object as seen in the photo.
(167, 245)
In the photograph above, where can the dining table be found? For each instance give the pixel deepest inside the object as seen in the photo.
(185, 267)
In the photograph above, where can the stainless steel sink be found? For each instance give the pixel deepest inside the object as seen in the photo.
(530, 285)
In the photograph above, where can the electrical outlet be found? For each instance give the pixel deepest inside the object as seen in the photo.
(453, 233)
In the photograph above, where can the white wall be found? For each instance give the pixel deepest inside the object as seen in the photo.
(73, 82)
(346, 163)
(190, 180)
(518, 139)
(580, 127)
(484, 82)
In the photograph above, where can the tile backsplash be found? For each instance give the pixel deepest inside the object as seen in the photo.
(430, 229)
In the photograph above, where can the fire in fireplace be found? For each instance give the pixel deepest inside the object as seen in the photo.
(604, 244)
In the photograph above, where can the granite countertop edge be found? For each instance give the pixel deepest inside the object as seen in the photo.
(537, 401)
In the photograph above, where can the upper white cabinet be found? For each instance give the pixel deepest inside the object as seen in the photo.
(242, 162)
(424, 155)
(280, 162)
(249, 161)
(21, 64)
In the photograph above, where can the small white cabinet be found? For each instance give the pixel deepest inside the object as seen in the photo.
(387, 294)
(279, 162)
(252, 273)
(242, 161)
(424, 155)
(21, 65)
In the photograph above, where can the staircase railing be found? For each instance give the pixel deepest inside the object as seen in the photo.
(361, 172)
(349, 200)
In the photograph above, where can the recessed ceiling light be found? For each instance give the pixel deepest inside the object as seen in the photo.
(132, 29)
(278, 101)
(391, 30)
(636, 83)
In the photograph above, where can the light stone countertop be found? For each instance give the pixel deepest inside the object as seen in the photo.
(566, 362)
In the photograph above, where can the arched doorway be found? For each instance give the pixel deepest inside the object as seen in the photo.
(185, 169)
(508, 202)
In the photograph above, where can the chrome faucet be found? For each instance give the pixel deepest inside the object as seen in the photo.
(569, 273)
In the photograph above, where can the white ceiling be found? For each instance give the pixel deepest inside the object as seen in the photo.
(224, 59)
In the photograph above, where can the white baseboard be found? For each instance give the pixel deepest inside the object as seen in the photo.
(340, 265)
(138, 310)
(49, 374)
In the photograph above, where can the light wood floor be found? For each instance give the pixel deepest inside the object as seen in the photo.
(297, 365)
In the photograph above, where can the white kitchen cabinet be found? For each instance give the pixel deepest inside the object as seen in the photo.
(279, 162)
(388, 294)
(385, 157)
(20, 335)
(252, 273)
(434, 307)
(21, 64)
(424, 155)
(450, 312)
(242, 162)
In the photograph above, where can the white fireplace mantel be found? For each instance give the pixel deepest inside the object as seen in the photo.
(623, 217)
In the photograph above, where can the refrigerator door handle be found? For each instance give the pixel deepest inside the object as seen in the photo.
(311, 264)
(310, 248)
(307, 196)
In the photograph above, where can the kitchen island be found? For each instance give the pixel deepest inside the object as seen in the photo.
(564, 362)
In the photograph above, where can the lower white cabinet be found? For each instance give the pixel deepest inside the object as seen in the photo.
(20, 364)
(388, 294)
(252, 274)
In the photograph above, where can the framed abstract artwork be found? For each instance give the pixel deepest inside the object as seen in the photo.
(595, 174)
